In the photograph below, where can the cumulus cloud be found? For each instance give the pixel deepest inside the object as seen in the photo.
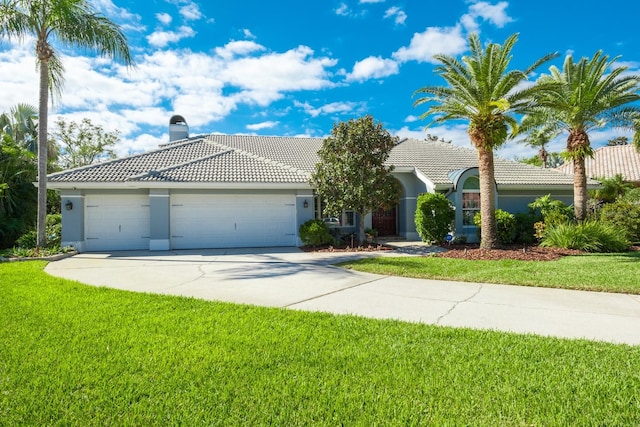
(493, 13)
(164, 18)
(433, 41)
(190, 11)
(263, 125)
(373, 67)
(397, 14)
(163, 38)
(238, 48)
(331, 108)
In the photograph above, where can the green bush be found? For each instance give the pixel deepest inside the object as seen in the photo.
(632, 196)
(553, 211)
(53, 232)
(434, 216)
(525, 231)
(588, 236)
(624, 216)
(506, 226)
(315, 232)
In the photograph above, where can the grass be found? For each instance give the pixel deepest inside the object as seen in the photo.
(602, 272)
(72, 354)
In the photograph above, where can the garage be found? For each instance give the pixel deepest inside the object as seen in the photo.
(232, 220)
(116, 222)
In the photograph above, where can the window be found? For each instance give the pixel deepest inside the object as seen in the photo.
(346, 219)
(470, 200)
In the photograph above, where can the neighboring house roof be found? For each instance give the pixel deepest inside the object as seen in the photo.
(609, 161)
(243, 159)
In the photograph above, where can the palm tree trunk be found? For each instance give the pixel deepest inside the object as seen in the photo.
(42, 153)
(488, 238)
(578, 146)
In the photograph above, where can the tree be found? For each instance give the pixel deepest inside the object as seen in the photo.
(351, 174)
(21, 124)
(618, 140)
(83, 143)
(554, 159)
(481, 91)
(72, 23)
(539, 138)
(589, 94)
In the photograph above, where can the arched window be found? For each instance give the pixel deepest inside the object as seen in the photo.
(470, 199)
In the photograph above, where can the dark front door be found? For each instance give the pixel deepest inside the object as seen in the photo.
(384, 222)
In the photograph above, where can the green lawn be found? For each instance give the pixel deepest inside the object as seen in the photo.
(602, 272)
(72, 354)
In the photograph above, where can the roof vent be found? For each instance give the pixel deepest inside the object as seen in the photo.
(178, 128)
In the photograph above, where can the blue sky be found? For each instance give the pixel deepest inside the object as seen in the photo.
(294, 68)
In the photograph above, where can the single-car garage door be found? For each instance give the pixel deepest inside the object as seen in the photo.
(232, 221)
(116, 222)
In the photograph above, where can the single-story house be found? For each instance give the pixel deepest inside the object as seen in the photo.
(610, 161)
(220, 191)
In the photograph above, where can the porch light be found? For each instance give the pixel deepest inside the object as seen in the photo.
(305, 204)
(68, 205)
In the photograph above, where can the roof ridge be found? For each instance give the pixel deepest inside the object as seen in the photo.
(176, 166)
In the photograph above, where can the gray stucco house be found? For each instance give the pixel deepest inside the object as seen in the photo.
(220, 191)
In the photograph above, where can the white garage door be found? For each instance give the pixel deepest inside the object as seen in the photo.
(116, 222)
(232, 221)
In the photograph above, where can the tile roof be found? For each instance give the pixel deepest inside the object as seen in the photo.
(610, 161)
(260, 159)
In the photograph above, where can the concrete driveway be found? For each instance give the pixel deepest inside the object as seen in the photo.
(290, 278)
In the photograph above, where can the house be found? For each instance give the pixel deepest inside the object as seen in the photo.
(220, 191)
(610, 161)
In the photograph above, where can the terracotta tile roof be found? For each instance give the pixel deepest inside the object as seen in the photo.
(610, 161)
(259, 159)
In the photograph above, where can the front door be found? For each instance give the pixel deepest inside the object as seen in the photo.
(385, 222)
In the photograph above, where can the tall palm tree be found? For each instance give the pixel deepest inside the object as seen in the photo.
(21, 123)
(589, 94)
(72, 23)
(483, 92)
(539, 138)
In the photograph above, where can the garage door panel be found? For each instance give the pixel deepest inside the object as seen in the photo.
(117, 222)
(221, 221)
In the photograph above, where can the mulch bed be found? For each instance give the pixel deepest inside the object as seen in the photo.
(520, 252)
(366, 248)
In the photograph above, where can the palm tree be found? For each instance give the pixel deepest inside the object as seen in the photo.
(21, 123)
(589, 94)
(481, 91)
(539, 138)
(72, 23)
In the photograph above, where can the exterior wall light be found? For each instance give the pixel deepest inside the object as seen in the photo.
(68, 206)
(305, 204)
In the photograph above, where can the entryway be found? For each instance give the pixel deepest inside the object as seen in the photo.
(385, 222)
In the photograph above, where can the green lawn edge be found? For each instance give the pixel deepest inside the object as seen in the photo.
(618, 272)
(72, 354)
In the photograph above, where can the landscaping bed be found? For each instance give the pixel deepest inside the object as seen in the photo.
(515, 252)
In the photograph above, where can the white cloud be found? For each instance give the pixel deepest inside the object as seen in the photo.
(434, 40)
(248, 34)
(190, 12)
(129, 21)
(493, 13)
(163, 38)
(332, 108)
(164, 18)
(411, 119)
(263, 125)
(373, 67)
(343, 10)
(371, 1)
(398, 15)
(238, 48)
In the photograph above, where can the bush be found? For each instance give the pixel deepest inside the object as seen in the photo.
(315, 232)
(525, 227)
(632, 196)
(505, 226)
(433, 218)
(53, 231)
(588, 236)
(624, 216)
(553, 211)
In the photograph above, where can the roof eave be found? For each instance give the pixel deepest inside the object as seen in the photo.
(179, 185)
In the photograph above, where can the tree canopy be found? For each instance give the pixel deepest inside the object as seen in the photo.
(352, 174)
(83, 143)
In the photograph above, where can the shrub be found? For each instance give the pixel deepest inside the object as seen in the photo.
(632, 196)
(433, 218)
(505, 226)
(525, 227)
(53, 231)
(588, 236)
(553, 211)
(315, 232)
(624, 216)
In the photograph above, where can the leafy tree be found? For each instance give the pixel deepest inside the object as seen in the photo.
(618, 140)
(612, 189)
(588, 94)
(18, 196)
(22, 125)
(554, 159)
(83, 143)
(484, 93)
(70, 23)
(351, 174)
(434, 216)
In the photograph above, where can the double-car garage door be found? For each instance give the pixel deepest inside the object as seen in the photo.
(196, 221)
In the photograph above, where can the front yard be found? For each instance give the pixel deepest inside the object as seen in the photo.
(72, 354)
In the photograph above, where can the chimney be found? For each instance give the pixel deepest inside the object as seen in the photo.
(178, 128)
